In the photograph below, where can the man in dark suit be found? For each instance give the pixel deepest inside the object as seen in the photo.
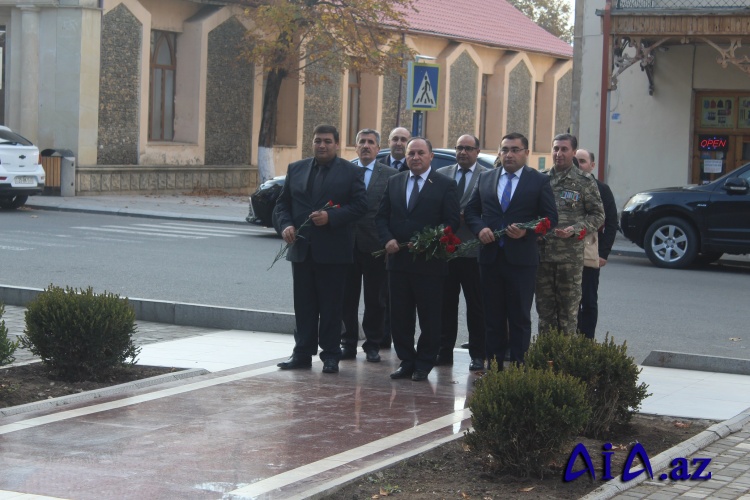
(412, 201)
(323, 248)
(513, 193)
(397, 140)
(463, 272)
(588, 313)
(367, 270)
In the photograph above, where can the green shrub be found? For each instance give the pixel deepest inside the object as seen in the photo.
(7, 347)
(611, 376)
(80, 335)
(523, 417)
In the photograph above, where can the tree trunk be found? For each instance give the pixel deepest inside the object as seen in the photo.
(268, 121)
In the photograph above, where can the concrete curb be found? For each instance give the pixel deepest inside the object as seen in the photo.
(114, 390)
(181, 313)
(685, 361)
(664, 459)
(134, 212)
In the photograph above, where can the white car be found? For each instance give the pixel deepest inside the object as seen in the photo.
(21, 172)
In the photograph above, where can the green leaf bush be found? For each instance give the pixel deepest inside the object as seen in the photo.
(523, 417)
(610, 375)
(80, 335)
(7, 346)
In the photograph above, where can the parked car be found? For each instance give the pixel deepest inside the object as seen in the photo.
(263, 200)
(681, 226)
(21, 172)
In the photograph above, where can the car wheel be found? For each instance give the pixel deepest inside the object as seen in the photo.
(707, 258)
(671, 242)
(13, 202)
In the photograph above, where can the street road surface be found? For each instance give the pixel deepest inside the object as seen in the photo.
(695, 311)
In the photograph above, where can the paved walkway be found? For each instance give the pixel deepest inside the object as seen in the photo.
(248, 430)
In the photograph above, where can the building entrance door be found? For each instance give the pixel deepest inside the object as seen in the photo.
(721, 141)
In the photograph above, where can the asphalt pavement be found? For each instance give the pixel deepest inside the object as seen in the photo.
(234, 426)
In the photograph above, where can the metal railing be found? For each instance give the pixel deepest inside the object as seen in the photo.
(681, 4)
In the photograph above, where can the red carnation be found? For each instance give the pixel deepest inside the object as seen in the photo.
(337, 206)
(450, 248)
(543, 226)
(582, 234)
(444, 239)
(448, 230)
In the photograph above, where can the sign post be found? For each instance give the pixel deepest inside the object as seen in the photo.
(422, 93)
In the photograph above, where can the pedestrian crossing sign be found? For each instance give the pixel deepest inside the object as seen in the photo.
(423, 80)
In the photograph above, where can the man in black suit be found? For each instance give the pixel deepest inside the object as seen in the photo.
(463, 272)
(412, 201)
(323, 248)
(367, 270)
(596, 251)
(513, 193)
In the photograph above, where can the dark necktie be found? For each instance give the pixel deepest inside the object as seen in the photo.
(462, 181)
(505, 199)
(396, 164)
(414, 195)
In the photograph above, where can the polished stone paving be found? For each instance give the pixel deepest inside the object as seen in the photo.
(249, 430)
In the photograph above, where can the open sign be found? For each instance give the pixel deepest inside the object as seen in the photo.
(713, 142)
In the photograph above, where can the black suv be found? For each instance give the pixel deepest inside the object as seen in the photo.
(688, 225)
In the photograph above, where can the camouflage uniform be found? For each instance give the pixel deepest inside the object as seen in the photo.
(558, 279)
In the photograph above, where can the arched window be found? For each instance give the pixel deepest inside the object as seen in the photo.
(355, 87)
(161, 93)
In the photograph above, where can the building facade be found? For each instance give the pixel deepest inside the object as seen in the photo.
(675, 93)
(153, 95)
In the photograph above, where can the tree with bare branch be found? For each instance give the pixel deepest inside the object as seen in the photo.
(294, 37)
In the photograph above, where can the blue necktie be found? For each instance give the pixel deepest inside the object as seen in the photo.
(505, 198)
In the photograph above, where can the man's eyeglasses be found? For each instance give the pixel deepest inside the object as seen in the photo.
(515, 151)
(468, 149)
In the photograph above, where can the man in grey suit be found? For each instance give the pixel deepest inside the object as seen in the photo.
(323, 248)
(367, 270)
(463, 272)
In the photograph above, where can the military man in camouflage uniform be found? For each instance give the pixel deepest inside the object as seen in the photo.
(580, 211)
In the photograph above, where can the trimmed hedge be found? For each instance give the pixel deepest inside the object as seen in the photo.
(523, 417)
(610, 375)
(80, 335)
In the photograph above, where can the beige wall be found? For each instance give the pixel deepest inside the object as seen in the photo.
(52, 85)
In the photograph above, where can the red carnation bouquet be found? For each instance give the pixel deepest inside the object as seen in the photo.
(432, 242)
(540, 227)
(282, 253)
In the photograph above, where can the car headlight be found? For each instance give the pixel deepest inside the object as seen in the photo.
(636, 201)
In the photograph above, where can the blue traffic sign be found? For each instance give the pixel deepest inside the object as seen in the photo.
(423, 80)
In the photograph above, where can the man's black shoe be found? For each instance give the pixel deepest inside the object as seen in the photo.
(372, 356)
(419, 375)
(295, 362)
(465, 345)
(330, 366)
(476, 364)
(402, 373)
(348, 353)
(444, 360)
